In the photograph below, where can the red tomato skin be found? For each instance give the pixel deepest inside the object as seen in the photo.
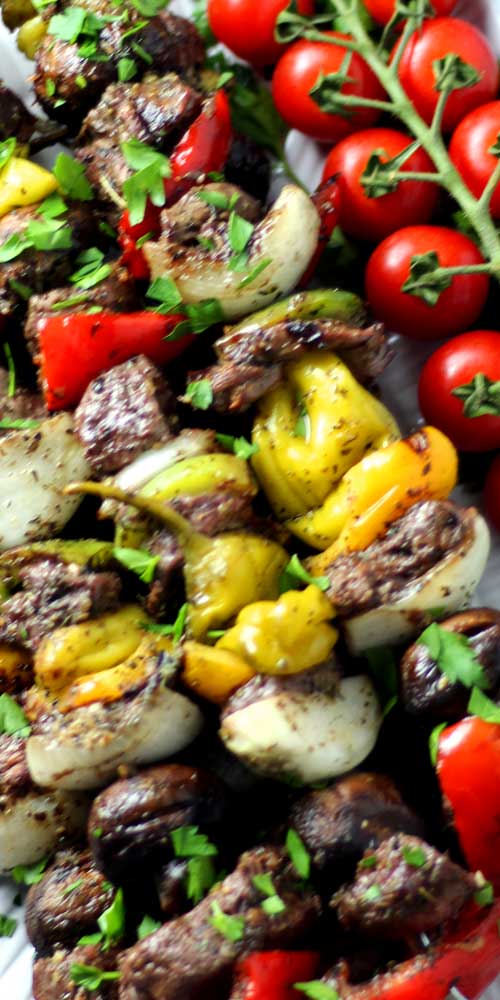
(247, 28)
(492, 493)
(296, 74)
(389, 266)
(454, 364)
(383, 10)
(469, 150)
(373, 219)
(436, 39)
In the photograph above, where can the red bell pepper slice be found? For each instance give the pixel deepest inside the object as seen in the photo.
(327, 202)
(75, 348)
(270, 975)
(470, 963)
(202, 150)
(468, 767)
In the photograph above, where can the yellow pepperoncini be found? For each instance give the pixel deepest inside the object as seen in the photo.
(31, 35)
(379, 490)
(89, 647)
(213, 673)
(312, 429)
(199, 475)
(285, 636)
(125, 678)
(221, 574)
(24, 183)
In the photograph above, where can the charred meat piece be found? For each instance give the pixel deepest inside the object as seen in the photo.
(171, 559)
(339, 823)
(17, 122)
(136, 815)
(154, 111)
(23, 405)
(171, 887)
(414, 544)
(404, 887)
(251, 361)
(426, 689)
(53, 977)
(67, 902)
(192, 218)
(41, 269)
(14, 774)
(122, 413)
(171, 43)
(53, 595)
(249, 167)
(107, 171)
(115, 293)
(191, 959)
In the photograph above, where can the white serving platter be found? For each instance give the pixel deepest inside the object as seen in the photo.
(399, 393)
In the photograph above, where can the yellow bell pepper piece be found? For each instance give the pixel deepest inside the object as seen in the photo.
(343, 422)
(285, 636)
(199, 475)
(379, 490)
(24, 183)
(214, 673)
(89, 647)
(124, 679)
(31, 35)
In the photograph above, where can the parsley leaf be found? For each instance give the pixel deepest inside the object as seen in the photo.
(138, 561)
(73, 887)
(11, 368)
(112, 921)
(317, 990)
(434, 741)
(188, 842)
(30, 874)
(176, 630)
(49, 234)
(146, 927)
(239, 445)
(72, 179)
(298, 854)
(254, 273)
(454, 655)
(127, 69)
(414, 856)
(18, 424)
(372, 894)
(272, 904)
(92, 270)
(483, 707)
(90, 977)
(201, 877)
(295, 571)
(232, 928)
(7, 926)
(12, 718)
(485, 894)
(239, 233)
(164, 290)
(151, 169)
(369, 861)
(199, 394)
(53, 206)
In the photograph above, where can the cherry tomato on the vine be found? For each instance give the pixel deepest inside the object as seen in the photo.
(470, 364)
(299, 71)
(383, 11)
(437, 39)
(492, 493)
(369, 218)
(470, 148)
(247, 28)
(457, 307)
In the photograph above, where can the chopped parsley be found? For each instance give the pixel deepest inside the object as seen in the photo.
(231, 927)
(11, 368)
(254, 273)
(239, 445)
(485, 895)
(92, 269)
(30, 874)
(372, 894)
(73, 887)
(414, 856)
(112, 922)
(43, 234)
(138, 561)
(199, 394)
(176, 630)
(24, 291)
(369, 861)
(188, 842)
(151, 168)
(483, 707)
(317, 990)
(240, 232)
(201, 876)
(18, 424)
(7, 926)
(272, 904)
(12, 718)
(90, 977)
(298, 854)
(454, 655)
(295, 571)
(434, 741)
(127, 69)
(53, 206)
(146, 927)
(70, 175)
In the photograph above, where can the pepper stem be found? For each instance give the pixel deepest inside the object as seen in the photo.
(146, 505)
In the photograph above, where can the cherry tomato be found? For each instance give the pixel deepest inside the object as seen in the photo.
(492, 493)
(382, 11)
(297, 73)
(437, 39)
(247, 28)
(389, 267)
(470, 150)
(458, 363)
(374, 218)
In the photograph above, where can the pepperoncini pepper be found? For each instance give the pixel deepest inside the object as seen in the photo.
(24, 183)
(377, 491)
(221, 574)
(200, 475)
(312, 429)
(285, 636)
